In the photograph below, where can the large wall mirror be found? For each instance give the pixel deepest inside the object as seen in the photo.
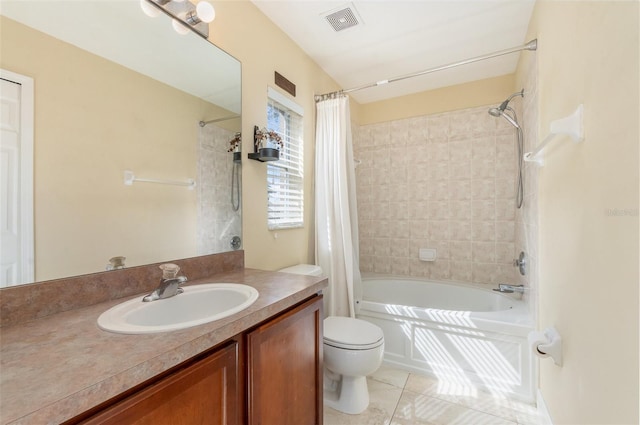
(115, 91)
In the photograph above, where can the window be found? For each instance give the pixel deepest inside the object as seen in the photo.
(285, 180)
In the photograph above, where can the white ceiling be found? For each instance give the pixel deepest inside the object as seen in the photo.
(396, 38)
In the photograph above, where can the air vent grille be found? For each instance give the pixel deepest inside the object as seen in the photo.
(342, 19)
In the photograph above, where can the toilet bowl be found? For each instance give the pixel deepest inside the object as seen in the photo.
(352, 349)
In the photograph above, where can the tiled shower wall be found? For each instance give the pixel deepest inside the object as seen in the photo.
(217, 221)
(444, 181)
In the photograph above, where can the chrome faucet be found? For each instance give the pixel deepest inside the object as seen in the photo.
(167, 288)
(169, 285)
(506, 288)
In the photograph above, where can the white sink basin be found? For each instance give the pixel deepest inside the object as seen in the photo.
(198, 304)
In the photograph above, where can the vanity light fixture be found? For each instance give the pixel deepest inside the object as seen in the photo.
(179, 26)
(149, 9)
(204, 13)
(186, 15)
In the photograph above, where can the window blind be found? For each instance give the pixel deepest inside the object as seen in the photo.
(285, 179)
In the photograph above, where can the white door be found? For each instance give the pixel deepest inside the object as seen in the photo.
(16, 179)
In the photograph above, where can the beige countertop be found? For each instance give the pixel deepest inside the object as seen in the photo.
(56, 367)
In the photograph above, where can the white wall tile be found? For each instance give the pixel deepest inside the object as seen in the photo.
(460, 230)
(438, 230)
(460, 210)
(398, 210)
(400, 248)
(483, 252)
(460, 251)
(483, 209)
(483, 231)
(442, 181)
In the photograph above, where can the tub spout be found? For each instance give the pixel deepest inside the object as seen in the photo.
(506, 288)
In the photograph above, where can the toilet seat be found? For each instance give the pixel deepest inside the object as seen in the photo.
(351, 334)
(304, 269)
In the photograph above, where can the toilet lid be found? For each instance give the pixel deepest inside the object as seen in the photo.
(347, 332)
(306, 269)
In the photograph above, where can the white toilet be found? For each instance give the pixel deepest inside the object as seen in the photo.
(353, 349)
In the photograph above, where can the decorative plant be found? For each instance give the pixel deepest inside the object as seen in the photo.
(264, 135)
(234, 144)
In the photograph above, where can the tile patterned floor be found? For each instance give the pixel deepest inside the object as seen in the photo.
(398, 397)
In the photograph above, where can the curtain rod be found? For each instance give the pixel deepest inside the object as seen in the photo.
(203, 123)
(531, 45)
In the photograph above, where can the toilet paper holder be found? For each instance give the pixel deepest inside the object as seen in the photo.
(547, 344)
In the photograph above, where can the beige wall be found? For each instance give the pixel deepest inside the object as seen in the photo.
(588, 53)
(112, 121)
(244, 32)
(446, 99)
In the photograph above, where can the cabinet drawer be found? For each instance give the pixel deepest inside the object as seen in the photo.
(205, 392)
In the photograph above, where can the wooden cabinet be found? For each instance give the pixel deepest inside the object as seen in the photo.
(207, 392)
(284, 368)
(269, 375)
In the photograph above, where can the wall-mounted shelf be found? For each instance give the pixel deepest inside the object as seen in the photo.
(570, 125)
(265, 155)
(130, 178)
(262, 154)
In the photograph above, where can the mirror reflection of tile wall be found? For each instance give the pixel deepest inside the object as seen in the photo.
(444, 181)
(218, 223)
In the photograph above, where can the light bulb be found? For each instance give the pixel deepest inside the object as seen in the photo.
(148, 9)
(179, 27)
(205, 11)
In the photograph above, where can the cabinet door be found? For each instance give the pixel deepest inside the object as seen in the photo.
(206, 392)
(284, 359)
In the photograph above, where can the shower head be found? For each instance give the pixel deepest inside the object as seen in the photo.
(512, 119)
(499, 111)
(496, 112)
(504, 104)
(504, 110)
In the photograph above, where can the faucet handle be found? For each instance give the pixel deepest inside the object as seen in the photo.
(116, 263)
(521, 263)
(169, 270)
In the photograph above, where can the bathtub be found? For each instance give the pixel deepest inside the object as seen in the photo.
(472, 337)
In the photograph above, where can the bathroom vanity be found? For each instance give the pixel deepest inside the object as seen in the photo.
(211, 387)
(262, 365)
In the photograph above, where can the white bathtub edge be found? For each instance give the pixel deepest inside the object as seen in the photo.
(507, 329)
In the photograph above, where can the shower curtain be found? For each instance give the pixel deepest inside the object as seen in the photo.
(336, 212)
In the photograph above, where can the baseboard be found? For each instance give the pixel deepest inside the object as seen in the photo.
(543, 412)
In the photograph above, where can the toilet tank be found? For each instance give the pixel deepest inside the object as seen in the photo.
(306, 269)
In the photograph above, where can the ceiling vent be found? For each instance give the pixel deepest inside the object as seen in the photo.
(342, 19)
